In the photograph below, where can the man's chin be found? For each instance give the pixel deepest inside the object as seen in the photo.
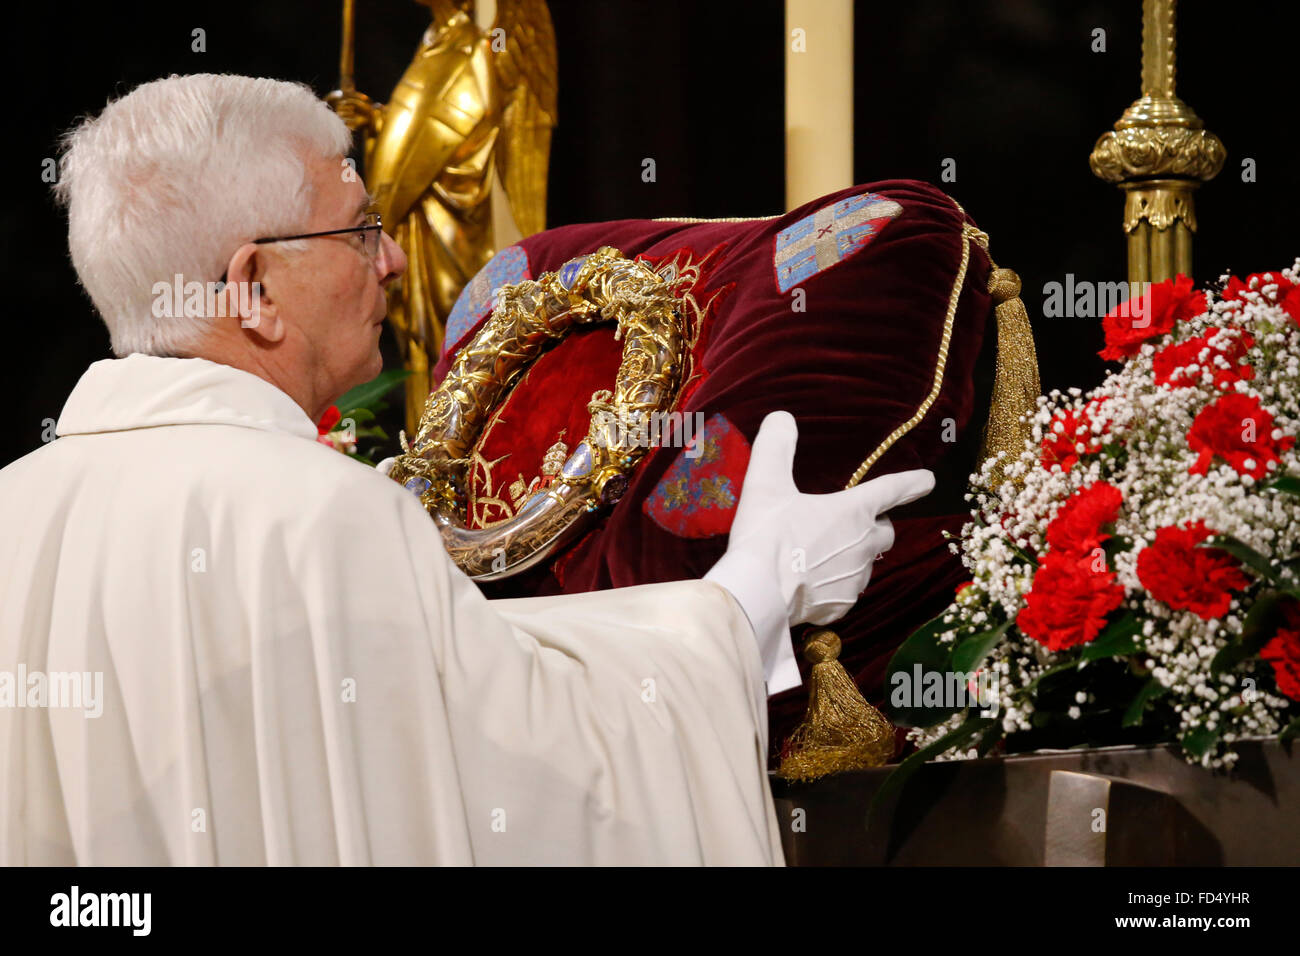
(366, 372)
(376, 365)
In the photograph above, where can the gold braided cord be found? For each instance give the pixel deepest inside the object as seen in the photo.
(968, 232)
(727, 219)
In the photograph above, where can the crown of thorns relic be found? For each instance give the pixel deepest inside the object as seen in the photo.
(529, 316)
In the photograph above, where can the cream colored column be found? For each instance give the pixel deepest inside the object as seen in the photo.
(818, 98)
(504, 231)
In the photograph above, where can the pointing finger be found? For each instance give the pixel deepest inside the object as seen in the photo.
(890, 491)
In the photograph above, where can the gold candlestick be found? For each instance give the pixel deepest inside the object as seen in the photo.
(1159, 152)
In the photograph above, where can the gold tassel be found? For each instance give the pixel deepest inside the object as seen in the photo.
(840, 730)
(1015, 384)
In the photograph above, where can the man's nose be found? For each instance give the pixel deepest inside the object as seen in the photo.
(392, 260)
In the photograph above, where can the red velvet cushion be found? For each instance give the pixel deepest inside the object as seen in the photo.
(872, 268)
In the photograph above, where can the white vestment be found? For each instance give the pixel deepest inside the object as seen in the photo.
(294, 672)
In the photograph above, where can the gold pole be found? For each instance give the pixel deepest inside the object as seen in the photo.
(505, 231)
(1158, 153)
(1158, 37)
(818, 98)
(347, 78)
(1139, 253)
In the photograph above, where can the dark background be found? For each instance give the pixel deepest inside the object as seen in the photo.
(1008, 88)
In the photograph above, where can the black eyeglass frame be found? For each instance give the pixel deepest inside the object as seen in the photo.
(377, 226)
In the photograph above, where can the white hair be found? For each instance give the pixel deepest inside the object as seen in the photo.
(172, 178)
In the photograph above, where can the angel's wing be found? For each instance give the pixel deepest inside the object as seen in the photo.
(526, 77)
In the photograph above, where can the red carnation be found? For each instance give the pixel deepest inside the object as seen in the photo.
(1187, 578)
(1235, 428)
(1077, 528)
(1287, 294)
(1172, 361)
(326, 424)
(1068, 430)
(1068, 602)
(327, 421)
(1131, 323)
(1283, 651)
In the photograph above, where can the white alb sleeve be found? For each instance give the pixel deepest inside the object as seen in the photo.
(750, 582)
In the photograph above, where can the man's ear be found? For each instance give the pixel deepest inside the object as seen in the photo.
(247, 299)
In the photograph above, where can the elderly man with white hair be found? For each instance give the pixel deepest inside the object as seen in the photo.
(223, 643)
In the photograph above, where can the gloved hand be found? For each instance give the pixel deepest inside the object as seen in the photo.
(796, 558)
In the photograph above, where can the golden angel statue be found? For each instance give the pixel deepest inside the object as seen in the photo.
(470, 102)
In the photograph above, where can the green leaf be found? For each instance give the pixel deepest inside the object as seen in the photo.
(1288, 484)
(364, 396)
(1137, 710)
(1256, 630)
(923, 649)
(1247, 555)
(955, 738)
(970, 652)
(1117, 640)
(359, 416)
(1199, 740)
(1290, 730)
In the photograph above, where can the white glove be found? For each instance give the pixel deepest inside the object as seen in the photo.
(385, 466)
(796, 558)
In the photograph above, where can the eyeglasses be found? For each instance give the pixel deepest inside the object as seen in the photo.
(370, 233)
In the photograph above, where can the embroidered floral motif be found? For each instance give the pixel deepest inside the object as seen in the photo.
(697, 496)
(676, 494)
(710, 451)
(716, 493)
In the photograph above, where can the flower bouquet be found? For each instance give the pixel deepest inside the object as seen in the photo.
(1134, 570)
